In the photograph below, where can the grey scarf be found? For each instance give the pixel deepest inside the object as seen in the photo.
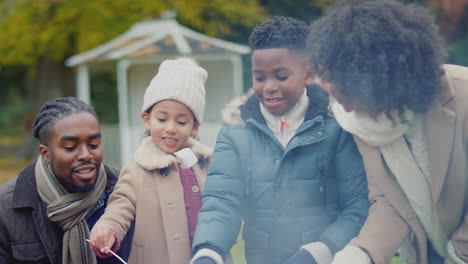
(388, 135)
(68, 210)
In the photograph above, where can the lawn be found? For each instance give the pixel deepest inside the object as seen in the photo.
(10, 167)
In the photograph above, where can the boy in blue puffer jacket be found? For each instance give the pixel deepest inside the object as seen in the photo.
(281, 164)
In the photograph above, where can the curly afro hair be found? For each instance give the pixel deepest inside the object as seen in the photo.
(279, 32)
(385, 54)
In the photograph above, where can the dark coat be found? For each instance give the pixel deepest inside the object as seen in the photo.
(315, 189)
(26, 233)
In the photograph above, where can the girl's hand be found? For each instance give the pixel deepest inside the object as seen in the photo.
(102, 238)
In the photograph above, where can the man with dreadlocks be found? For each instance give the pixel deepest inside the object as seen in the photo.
(46, 212)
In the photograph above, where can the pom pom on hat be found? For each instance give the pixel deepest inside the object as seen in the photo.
(181, 80)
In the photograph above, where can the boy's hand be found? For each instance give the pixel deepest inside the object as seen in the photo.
(204, 260)
(351, 254)
(102, 238)
(207, 256)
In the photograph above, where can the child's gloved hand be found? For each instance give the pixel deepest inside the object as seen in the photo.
(102, 238)
(207, 256)
(204, 260)
(301, 257)
(351, 254)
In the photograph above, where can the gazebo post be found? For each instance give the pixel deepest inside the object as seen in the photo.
(238, 79)
(124, 125)
(82, 83)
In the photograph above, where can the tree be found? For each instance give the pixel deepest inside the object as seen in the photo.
(304, 10)
(452, 16)
(40, 34)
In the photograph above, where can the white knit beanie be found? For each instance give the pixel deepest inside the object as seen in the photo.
(181, 80)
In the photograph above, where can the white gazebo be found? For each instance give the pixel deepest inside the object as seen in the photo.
(136, 55)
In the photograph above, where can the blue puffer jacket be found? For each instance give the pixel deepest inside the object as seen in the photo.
(314, 190)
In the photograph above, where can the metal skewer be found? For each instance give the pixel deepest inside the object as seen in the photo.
(113, 253)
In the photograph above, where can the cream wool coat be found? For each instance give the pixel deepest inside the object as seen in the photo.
(156, 202)
(391, 218)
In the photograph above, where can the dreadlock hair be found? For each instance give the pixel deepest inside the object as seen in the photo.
(56, 110)
(279, 32)
(385, 54)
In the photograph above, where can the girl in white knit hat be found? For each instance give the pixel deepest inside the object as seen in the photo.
(161, 190)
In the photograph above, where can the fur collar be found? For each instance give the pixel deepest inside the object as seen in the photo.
(150, 157)
(247, 106)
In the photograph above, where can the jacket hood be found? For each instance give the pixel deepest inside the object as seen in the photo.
(247, 106)
(150, 157)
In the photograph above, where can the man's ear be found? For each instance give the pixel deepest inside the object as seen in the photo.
(310, 76)
(44, 152)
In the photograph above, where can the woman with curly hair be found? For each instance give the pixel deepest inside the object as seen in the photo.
(381, 61)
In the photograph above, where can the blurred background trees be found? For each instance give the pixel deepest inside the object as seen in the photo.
(452, 16)
(36, 36)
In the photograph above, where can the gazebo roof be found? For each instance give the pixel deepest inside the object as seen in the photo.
(156, 37)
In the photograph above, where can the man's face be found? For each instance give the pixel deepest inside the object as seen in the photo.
(74, 151)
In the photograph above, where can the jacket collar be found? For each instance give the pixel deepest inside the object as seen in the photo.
(25, 193)
(150, 157)
(447, 92)
(246, 107)
(440, 127)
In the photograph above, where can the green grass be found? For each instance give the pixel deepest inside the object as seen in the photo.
(396, 260)
(10, 167)
(237, 251)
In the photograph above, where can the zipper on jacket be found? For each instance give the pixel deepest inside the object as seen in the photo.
(323, 187)
(322, 179)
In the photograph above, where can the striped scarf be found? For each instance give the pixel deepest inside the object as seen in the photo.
(68, 210)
